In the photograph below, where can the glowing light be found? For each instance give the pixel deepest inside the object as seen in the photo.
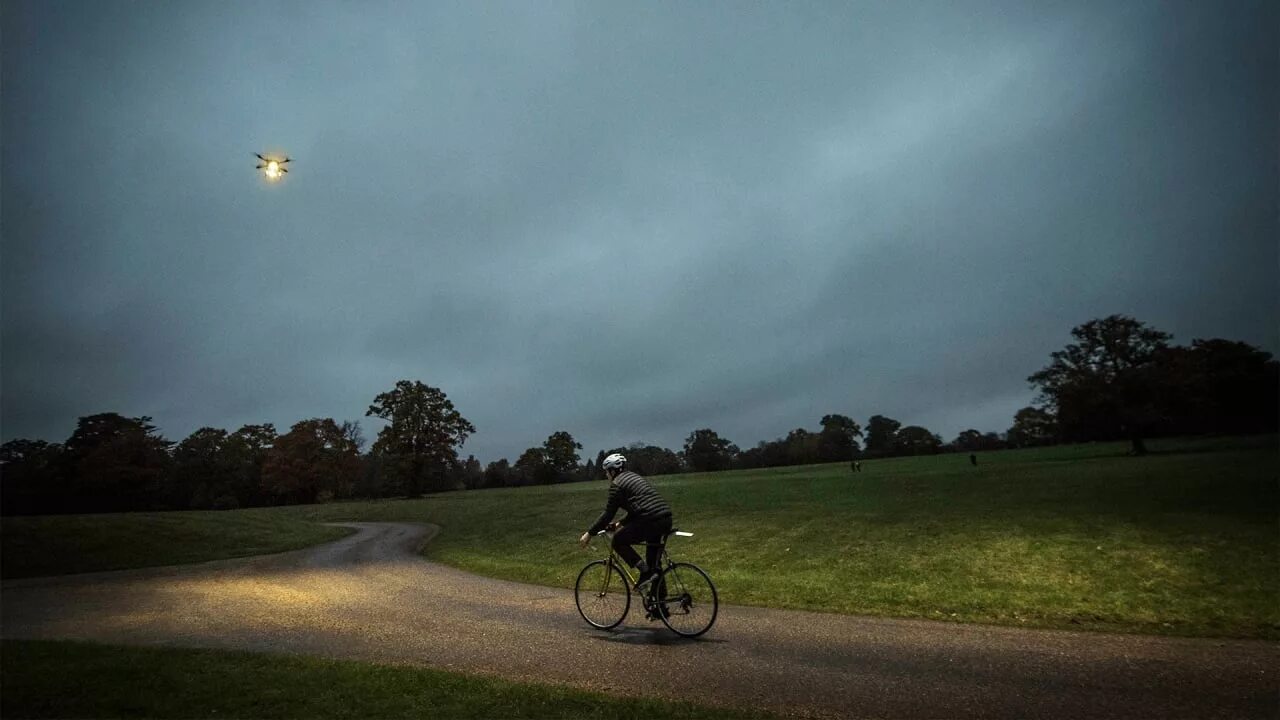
(273, 169)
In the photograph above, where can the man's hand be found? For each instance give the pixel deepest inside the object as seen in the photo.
(585, 539)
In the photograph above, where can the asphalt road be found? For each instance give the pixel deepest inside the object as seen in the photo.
(370, 597)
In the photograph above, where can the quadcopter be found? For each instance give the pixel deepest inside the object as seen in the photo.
(274, 168)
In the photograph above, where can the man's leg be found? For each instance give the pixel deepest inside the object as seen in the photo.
(657, 531)
(654, 554)
(630, 534)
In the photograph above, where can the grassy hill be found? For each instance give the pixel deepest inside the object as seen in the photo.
(1182, 541)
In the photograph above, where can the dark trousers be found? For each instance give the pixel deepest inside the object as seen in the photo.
(650, 530)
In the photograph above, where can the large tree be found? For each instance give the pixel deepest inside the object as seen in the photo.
(117, 463)
(706, 451)
(203, 471)
(881, 435)
(915, 440)
(1107, 385)
(32, 480)
(497, 473)
(837, 440)
(561, 452)
(314, 462)
(1235, 386)
(423, 434)
(1033, 426)
(530, 467)
(246, 451)
(802, 447)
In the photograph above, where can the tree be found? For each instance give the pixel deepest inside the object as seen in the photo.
(1107, 384)
(1031, 427)
(705, 451)
(837, 440)
(116, 464)
(498, 473)
(203, 471)
(881, 435)
(530, 467)
(32, 480)
(1235, 387)
(424, 433)
(968, 441)
(802, 447)
(560, 453)
(468, 474)
(313, 462)
(915, 440)
(246, 451)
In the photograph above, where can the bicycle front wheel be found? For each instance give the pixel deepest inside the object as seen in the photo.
(689, 603)
(602, 595)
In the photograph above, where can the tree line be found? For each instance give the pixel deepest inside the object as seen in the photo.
(1119, 380)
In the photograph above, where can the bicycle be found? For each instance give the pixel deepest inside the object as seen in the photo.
(681, 595)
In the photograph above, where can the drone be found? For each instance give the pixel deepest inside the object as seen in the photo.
(274, 168)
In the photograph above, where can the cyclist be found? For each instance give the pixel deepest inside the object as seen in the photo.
(648, 518)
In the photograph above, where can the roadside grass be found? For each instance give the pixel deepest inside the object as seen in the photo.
(32, 546)
(1182, 541)
(113, 681)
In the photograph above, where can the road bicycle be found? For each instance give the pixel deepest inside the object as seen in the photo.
(681, 595)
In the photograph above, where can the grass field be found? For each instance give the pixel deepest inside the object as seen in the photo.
(61, 544)
(1182, 541)
(177, 683)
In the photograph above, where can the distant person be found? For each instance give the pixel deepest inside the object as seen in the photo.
(973, 460)
(648, 518)
(855, 466)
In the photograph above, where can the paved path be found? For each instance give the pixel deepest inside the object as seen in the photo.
(369, 596)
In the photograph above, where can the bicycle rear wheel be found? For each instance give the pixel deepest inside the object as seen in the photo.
(689, 604)
(602, 595)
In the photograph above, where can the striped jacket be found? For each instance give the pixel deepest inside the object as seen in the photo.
(634, 494)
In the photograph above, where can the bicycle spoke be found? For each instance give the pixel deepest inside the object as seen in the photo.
(602, 595)
(690, 604)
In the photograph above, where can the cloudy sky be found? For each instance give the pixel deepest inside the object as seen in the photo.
(624, 220)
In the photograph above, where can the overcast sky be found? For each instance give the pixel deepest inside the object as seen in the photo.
(624, 220)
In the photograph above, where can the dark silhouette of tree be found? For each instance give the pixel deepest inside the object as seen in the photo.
(802, 447)
(1234, 386)
(1032, 427)
(313, 462)
(1107, 385)
(915, 440)
(422, 436)
(706, 451)
(560, 453)
(837, 441)
(246, 450)
(468, 474)
(116, 464)
(32, 478)
(968, 441)
(881, 435)
(530, 467)
(203, 471)
(498, 473)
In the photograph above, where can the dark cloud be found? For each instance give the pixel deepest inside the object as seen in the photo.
(622, 221)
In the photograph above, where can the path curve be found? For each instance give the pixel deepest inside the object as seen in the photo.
(369, 596)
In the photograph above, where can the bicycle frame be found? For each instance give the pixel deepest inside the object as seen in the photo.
(664, 564)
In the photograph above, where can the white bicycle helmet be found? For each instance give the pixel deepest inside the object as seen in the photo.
(614, 462)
